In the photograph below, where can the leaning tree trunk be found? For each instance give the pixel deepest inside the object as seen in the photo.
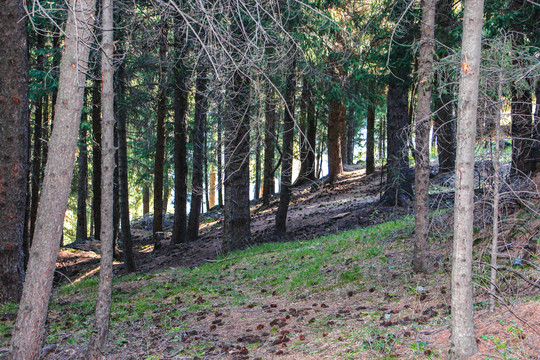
(30, 325)
(423, 124)
(198, 155)
(108, 150)
(13, 147)
(370, 140)
(159, 159)
(463, 341)
(236, 222)
(287, 153)
(269, 145)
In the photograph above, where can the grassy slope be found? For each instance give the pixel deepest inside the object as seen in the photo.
(345, 296)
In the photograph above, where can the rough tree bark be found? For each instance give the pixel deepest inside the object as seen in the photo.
(269, 145)
(96, 155)
(82, 184)
(108, 150)
(287, 153)
(370, 140)
(159, 159)
(125, 227)
(30, 324)
(198, 154)
(336, 125)
(236, 223)
(36, 149)
(398, 190)
(180, 150)
(14, 120)
(463, 342)
(423, 124)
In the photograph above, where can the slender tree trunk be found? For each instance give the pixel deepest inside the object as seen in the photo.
(287, 153)
(125, 227)
(146, 199)
(307, 137)
(423, 123)
(30, 324)
(180, 151)
(269, 145)
(351, 132)
(336, 125)
(103, 303)
(159, 159)
(535, 151)
(14, 124)
(36, 151)
(257, 188)
(96, 157)
(219, 146)
(496, 197)
(116, 198)
(198, 154)
(236, 223)
(205, 157)
(370, 140)
(82, 185)
(463, 341)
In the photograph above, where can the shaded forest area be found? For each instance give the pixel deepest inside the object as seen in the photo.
(149, 135)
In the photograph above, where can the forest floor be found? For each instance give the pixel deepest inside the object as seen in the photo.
(341, 288)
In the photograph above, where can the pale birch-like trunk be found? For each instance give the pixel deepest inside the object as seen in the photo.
(103, 304)
(463, 342)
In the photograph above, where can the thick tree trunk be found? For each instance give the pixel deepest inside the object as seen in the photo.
(463, 341)
(14, 123)
(96, 157)
(336, 126)
(398, 191)
(287, 153)
(521, 132)
(108, 148)
(236, 223)
(159, 159)
(269, 145)
(30, 325)
(199, 127)
(370, 140)
(180, 151)
(423, 125)
(82, 186)
(125, 227)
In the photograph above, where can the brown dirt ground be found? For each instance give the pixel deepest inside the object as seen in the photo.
(350, 203)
